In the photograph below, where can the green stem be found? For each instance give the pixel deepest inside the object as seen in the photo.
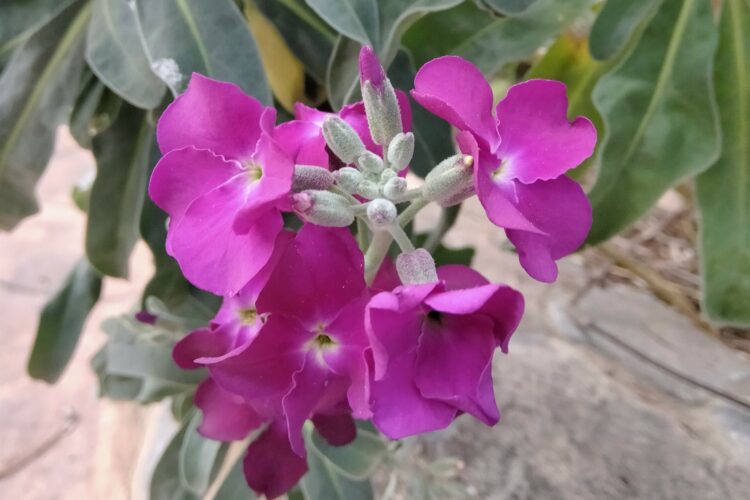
(381, 242)
(363, 234)
(447, 219)
(401, 238)
(409, 212)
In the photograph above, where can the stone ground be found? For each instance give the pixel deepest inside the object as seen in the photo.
(606, 393)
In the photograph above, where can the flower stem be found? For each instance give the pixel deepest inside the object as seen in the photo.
(409, 212)
(447, 218)
(401, 238)
(381, 242)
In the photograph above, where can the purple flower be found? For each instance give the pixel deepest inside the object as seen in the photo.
(223, 180)
(308, 356)
(432, 348)
(520, 157)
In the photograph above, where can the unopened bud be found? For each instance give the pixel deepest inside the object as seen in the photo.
(449, 178)
(311, 177)
(383, 113)
(394, 188)
(387, 175)
(416, 268)
(323, 208)
(400, 151)
(348, 179)
(342, 139)
(367, 189)
(370, 162)
(381, 213)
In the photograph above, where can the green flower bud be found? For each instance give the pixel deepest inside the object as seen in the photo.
(401, 151)
(348, 178)
(416, 268)
(450, 178)
(368, 189)
(383, 113)
(342, 139)
(370, 162)
(323, 208)
(381, 213)
(394, 188)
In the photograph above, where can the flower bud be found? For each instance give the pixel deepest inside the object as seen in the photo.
(323, 208)
(342, 139)
(387, 175)
(381, 104)
(348, 178)
(381, 213)
(311, 177)
(416, 268)
(383, 113)
(394, 188)
(449, 178)
(370, 162)
(367, 189)
(400, 151)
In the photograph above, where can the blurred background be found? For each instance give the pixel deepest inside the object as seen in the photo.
(628, 378)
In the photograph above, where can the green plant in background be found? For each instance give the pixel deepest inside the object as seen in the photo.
(667, 83)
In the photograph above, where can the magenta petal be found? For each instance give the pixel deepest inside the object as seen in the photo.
(500, 200)
(453, 357)
(302, 400)
(393, 322)
(456, 91)
(183, 175)
(271, 467)
(338, 430)
(273, 186)
(266, 368)
(559, 208)
(320, 272)
(226, 416)
(348, 358)
(302, 141)
(211, 255)
(399, 410)
(457, 277)
(190, 351)
(537, 140)
(211, 115)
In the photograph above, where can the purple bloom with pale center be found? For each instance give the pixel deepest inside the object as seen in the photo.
(308, 357)
(223, 180)
(520, 157)
(432, 348)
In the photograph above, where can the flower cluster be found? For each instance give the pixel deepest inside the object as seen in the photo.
(320, 325)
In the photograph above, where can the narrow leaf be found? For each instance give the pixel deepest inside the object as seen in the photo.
(115, 54)
(356, 460)
(616, 23)
(396, 17)
(724, 189)
(509, 7)
(21, 18)
(323, 481)
(122, 158)
(211, 38)
(165, 479)
(61, 323)
(489, 41)
(197, 458)
(659, 114)
(309, 37)
(356, 19)
(235, 486)
(36, 91)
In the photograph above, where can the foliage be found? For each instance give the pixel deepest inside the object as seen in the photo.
(667, 83)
